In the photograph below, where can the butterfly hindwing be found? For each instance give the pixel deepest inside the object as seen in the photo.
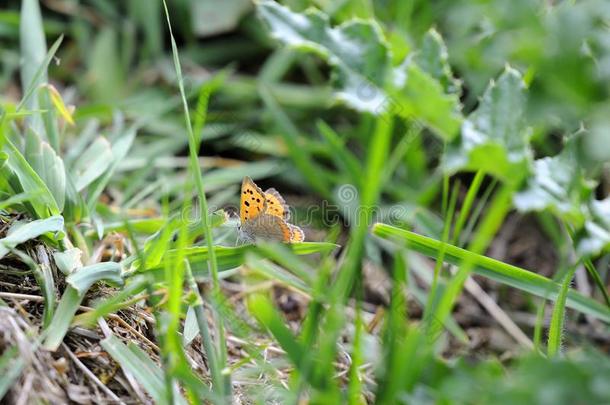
(253, 201)
(268, 227)
(296, 233)
(276, 204)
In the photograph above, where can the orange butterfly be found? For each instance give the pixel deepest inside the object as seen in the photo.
(264, 215)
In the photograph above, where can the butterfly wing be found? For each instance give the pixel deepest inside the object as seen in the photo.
(296, 233)
(267, 227)
(276, 204)
(253, 201)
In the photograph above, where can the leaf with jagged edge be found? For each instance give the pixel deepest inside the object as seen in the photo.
(364, 78)
(416, 95)
(356, 50)
(495, 137)
(558, 184)
(433, 58)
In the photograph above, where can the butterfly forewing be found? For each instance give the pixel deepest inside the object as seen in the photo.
(276, 204)
(253, 201)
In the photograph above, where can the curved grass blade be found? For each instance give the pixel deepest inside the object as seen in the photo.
(494, 269)
(72, 297)
(21, 232)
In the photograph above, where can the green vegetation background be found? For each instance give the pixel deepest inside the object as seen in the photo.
(432, 120)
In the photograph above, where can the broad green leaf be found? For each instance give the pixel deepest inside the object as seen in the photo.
(494, 138)
(68, 261)
(360, 57)
(496, 270)
(79, 282)
(48, 165)
(558, 184)
(417, 95)
(433, 58)
(44, 205)
(85, 277)
(17, 199)
(21, 232)
(355, 49)
(92, 163)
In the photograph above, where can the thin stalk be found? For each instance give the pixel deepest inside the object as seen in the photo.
(194, 163)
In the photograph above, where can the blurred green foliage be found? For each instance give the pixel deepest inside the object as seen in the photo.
(352, 103)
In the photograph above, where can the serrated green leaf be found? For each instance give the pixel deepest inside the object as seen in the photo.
(355, 49)
(559, 185)
(433, 58)
(417, 95)
(22, 232)
(494, 138)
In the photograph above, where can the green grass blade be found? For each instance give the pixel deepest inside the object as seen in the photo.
(196, 172)
(11, 366)
(40, 72)
(496, 270)
(557, 319)
(84, 278)
(134, 361)
(68, 305)
(299, 155)
(22, 232)
(231, 257)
